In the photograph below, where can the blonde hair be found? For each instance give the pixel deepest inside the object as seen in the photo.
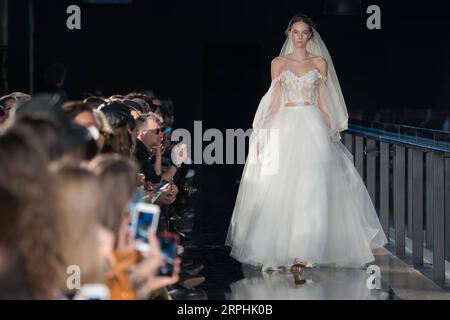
(118, 178)
(115, 97)
(103, 124)
(77, 203)
(145, 106)
(24, 174)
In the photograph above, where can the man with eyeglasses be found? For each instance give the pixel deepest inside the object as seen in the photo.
(149, 138)
(149, 135)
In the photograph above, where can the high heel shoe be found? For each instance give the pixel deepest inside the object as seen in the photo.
(298, 265)
(299, 282)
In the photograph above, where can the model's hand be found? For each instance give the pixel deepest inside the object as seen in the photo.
(328, 121)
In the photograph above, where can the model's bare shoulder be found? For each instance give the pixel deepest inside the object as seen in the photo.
(276, 66)
(277, 60)
(321, 65)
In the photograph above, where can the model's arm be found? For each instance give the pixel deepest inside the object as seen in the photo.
(276, 66)
(270, 102)
(322, 66)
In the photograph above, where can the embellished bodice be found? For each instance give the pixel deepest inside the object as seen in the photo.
(299, 90)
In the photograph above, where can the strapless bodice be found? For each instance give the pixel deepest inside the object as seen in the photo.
(299, 90)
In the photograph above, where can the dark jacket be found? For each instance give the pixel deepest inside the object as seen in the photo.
(143, 158)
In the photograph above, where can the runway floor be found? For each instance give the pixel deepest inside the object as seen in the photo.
(228, 279)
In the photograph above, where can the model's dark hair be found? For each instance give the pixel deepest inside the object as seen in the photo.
(300, 17)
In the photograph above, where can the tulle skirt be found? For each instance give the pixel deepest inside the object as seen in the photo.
(315, 207)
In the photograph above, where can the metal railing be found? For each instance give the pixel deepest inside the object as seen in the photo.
(407, 173)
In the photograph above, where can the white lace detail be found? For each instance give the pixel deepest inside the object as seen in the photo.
(297, 89)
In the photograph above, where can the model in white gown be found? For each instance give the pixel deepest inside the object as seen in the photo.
(314, 206)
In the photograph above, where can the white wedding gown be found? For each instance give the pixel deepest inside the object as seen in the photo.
(315, 207)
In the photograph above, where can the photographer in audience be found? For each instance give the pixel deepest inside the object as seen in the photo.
(119, 180)
(69, 183)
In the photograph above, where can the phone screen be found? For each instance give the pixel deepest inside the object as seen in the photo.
(169, 249)
(144, 221)
(163, 184)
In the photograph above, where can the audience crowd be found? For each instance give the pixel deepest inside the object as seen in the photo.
(71, 173)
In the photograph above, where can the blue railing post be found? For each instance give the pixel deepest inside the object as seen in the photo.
(438, 218)
(417, 208)
(384, 186)
(415, 183)
(399, 199)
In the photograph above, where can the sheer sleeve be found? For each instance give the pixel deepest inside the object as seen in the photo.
(320, 97)
(269, 106)
(264, 138)
(335, 114)
(332, 108)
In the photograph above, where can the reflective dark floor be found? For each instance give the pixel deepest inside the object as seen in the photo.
(228, 279)
(311, 284)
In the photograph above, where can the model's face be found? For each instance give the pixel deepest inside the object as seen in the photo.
(300, 33)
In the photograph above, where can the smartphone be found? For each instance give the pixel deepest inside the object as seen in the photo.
(93, 292)
(145, 216)
(168, 242)
(163, 186)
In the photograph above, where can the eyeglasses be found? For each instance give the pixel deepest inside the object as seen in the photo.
(157, 130)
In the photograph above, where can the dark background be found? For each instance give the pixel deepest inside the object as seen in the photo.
(213, 57)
